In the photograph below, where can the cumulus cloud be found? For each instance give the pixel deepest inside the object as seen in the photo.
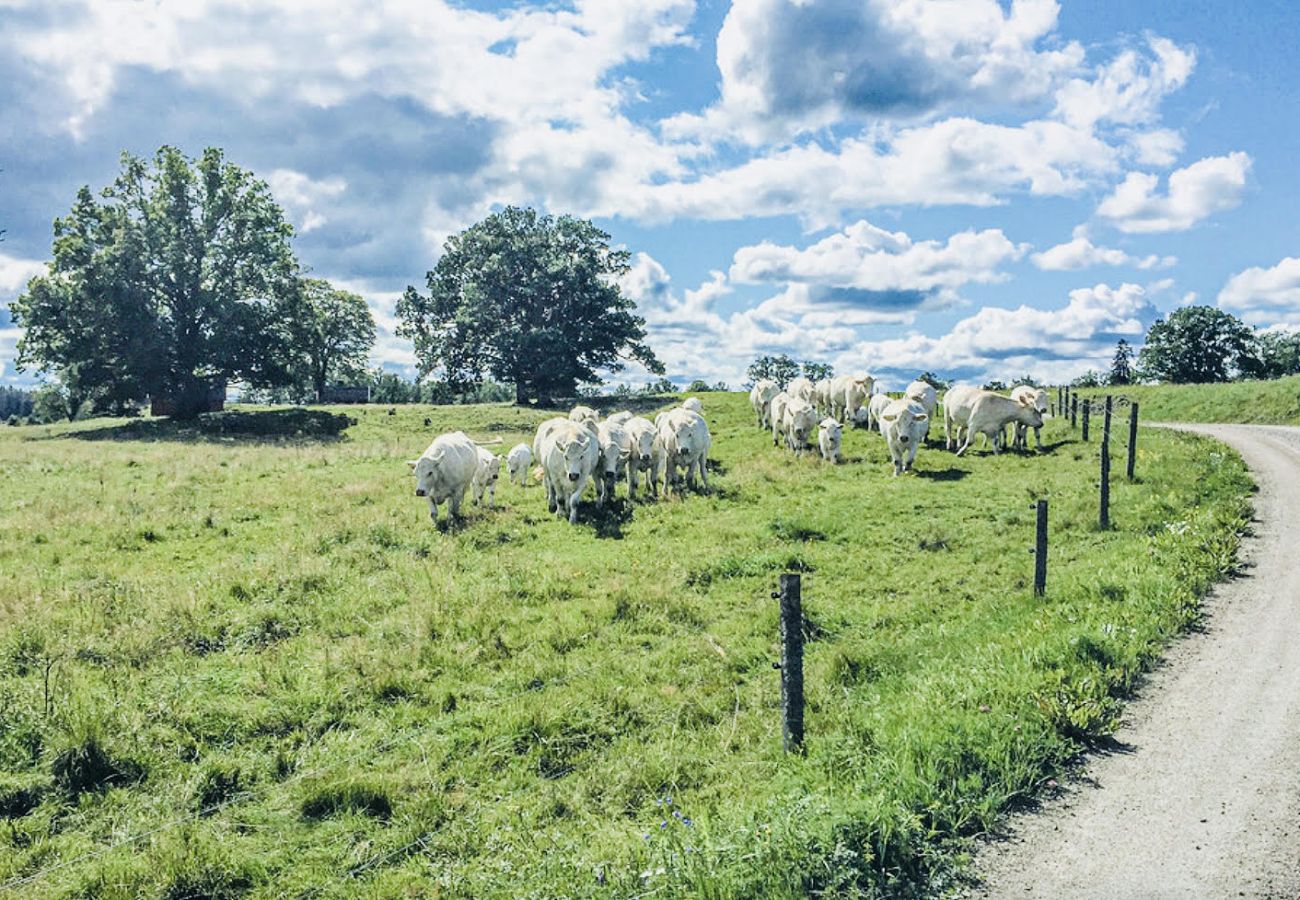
(1156, 147)
(1196, 192)
(303, 197)
(1081, 253)
(1127, 90)
(15, 272)
(788, 67)
(1265, 296)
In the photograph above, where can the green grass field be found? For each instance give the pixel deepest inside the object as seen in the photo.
(245, 666)
(1254, 402)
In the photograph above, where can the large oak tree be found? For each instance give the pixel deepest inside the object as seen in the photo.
(334, 335)
(177, 275)
(530, 300)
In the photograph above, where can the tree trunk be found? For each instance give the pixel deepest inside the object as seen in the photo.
(521, 394)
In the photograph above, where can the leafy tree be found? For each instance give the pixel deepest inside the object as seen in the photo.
(15, 402)
(389, 387)
(530, 300)
(1197, 344)
(1088, 379)
(1277, 354)
(781, 369)
(178, 274)
(815, 371)
(51, 403)
(334, 333)
(721, 386)
(996, 385)
(1029, 380)
(661, 386)
(1121, 366)
(698, 384)
(939, 384)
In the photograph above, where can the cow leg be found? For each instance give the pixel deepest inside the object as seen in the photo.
(433, 509)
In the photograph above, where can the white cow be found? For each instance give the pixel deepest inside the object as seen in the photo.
(543, 431)
(570, 455)
(444, 471)
(903, 423)
(612, 439)
(957, 403)
(1037, 398)
(584, 414)
(923, 393)
(776, 415)
(694, 404)
(760, 397)
(684, 442)
(848, 393)
(829, 435)
(822, 396)
(875, 408)
(620, 418)
(641, 445)
(517, 462)
(485, 478)
(797, 423)
(800, 387)
(991, 413)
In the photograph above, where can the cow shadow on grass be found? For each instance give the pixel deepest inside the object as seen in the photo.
(609, 519)
(949, 474)
(295, 425)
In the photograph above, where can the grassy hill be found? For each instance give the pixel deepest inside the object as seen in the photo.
(235, 664)
(1254, 402)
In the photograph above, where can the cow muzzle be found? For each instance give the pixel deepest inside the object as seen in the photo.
(419, 492)
(645, 459)
(903, 439)
(573, 476)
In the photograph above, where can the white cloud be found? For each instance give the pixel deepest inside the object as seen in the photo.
(1081, 253)
(1127, 90)
(302, 196)
(1212, 185)
(15, 272)
(1265, 296)
(1157, 147)
(790, 67)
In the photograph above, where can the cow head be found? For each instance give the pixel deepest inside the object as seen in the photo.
(423, 469)
(574, 453)
(645, 446)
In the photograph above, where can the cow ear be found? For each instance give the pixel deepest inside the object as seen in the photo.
(412, 463)
(921, 418)
(893, 418)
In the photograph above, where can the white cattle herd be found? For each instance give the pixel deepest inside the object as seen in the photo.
(574, 452)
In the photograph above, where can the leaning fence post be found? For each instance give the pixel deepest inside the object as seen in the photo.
(1040, 550)
(1132, 439)
(1104, 504)
(1087, 407)
(791, 663)
(1074, 412)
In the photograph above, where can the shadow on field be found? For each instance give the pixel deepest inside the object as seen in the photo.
(296, 424)
(610, 519)
(949, 474)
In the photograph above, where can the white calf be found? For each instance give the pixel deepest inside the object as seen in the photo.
(485, 478)
(611, 439)
(641, 441)
(1037, 398)
(799, 420)
(829, 435)
(517, 462)
(760, 397)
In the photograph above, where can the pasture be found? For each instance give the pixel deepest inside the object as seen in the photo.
(1275, 402)
(237, 666)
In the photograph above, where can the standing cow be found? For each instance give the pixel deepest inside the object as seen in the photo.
(760, 397)
(570, 455)
(444, 471)
(684, 443)
(904, 423)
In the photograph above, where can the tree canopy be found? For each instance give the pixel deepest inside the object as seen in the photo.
(1121, 366)
(527, 299)
(335, 331)
(781, 369)
(177, 275)
(1197, 344)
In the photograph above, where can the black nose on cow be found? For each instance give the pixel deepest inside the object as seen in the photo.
(419, 493)
(645, 457)
(573, 476)
(902, 439)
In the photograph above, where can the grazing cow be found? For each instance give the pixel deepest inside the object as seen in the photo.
(798, 421)
(684, 442)
(620, 418)
(847, 394)
(903, 423)
(822, 396)
(991, 413)
(923, 393)
(485, 478)
(875, 408)
(957, 402)
(612, 439)
(584, 414)
(800, 387)
(641, 442)
(829, 434)
(517, 462)
(776, 415)
(694, 404)
(444, 471)
(1037, 398)
(570, 456)
(760, 397)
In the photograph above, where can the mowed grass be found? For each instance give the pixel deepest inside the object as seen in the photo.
(254, 668)
(1274, 402)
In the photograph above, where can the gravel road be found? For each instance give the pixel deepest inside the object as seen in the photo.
(1201, 796)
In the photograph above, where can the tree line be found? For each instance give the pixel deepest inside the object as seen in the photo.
(180, 277)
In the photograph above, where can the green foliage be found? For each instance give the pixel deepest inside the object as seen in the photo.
(1276, 355)
(1275, 402)
(177, 274)
(659, 386)
(1088, 379)
(1121, 366)
(939, 384)
(333, 334)
(15, 402)
(1196, 345)
(521, 693)
(996, 385)
(529, 300)
(781, 369)
(815, 371)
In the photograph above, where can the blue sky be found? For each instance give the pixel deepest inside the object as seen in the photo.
(977, 188)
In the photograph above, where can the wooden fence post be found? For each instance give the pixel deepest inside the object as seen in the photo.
(1074, 412)
(1087, 407)
(1104, 504)
(1132, 439)
(1040, 550)
(791, 663)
